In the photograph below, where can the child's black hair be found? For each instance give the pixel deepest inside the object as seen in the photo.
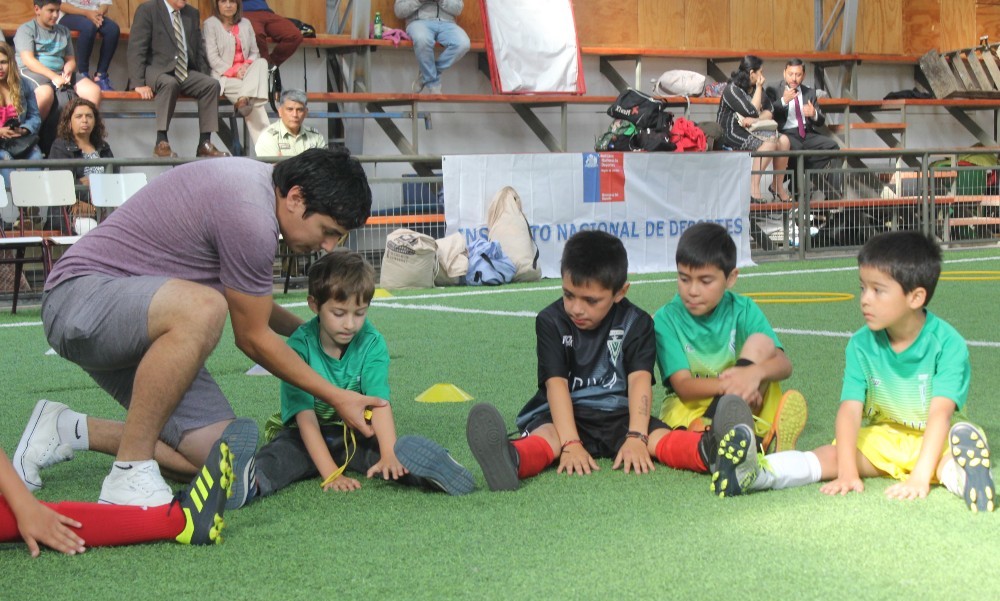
(911, 258)
(342, 275)
(707, 244)
(595, 256)
(44, 3)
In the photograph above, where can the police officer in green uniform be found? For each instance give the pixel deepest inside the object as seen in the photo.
(288, 136)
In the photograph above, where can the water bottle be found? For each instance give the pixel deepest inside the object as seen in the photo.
(377, 28)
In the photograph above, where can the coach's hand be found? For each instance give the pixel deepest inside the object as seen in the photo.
(351, 407)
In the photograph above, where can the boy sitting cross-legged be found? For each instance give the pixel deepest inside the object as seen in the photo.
(596, 352)
(712, 342)
(907, 376)
(307, 438)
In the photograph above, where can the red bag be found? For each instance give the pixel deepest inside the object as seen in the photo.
(687, 136)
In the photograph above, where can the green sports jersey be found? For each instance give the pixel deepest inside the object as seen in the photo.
(709, 344)
(898, 387)
(364, 368)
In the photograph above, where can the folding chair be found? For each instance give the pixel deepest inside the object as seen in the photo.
(18, 245)
(45, 189)
(111, 190)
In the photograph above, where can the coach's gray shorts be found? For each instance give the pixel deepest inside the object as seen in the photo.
(100, 323)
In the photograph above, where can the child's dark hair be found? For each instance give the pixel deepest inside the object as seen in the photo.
(44, 3)
(594, 256)
(342, 275)
(707, 244)
(911, 258)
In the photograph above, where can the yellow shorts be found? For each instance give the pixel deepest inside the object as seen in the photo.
(893, 449)
(680, 414)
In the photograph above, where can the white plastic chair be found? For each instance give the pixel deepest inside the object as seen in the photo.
(45, 189)
(110, 190)
(18, 245)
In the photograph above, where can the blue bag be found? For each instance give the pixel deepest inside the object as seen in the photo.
(488, 265)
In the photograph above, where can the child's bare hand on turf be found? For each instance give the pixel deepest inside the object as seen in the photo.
(343, 484)
(576, 459)
(842, 486)
(634, 455)
(39, 524)
(909, 489)
(389, 467)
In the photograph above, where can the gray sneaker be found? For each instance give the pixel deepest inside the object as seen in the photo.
(729, 411)
(492, 449)
(138, 484)
(40, 445)
(430, 461)
(736, 469)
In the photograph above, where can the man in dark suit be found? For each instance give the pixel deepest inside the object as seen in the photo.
(798, 115)
(166, 58)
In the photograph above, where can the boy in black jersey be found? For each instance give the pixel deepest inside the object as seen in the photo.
(596, 352)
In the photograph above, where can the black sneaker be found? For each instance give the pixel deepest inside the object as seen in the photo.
(490, 446)
(737, 465)
(428, 460)
(241, 436)
(972, 453)
(204, 500)
(730, 410)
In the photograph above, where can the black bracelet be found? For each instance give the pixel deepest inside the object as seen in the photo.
(639, 435)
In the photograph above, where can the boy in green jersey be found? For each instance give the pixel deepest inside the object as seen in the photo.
(712, 342)
(906, 377)
(307, 438)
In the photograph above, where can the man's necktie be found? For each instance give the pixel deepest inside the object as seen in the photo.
(798, 115)
(182, 56)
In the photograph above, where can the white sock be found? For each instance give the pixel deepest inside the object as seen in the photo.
(788, 469)
(953, 478)
(72, 428)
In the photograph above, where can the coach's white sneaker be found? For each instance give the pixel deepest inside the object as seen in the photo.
(135, 483)
(40, 445)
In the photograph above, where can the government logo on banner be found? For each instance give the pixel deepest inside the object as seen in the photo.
(603, 177)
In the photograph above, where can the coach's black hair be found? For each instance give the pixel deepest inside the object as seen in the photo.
(332, 182)
(595, 256)
(910, 258)
(707, 244)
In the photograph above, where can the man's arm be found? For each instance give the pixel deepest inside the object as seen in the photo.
(283, 321)
(452, 7)
(251, 317)
(404, 9)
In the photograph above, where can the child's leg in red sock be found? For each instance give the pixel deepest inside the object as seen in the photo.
(680, 449)
(107, 525)
(534, 454)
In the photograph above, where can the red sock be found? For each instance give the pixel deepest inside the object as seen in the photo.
(535, 455)
(679, 450)
(107, 525)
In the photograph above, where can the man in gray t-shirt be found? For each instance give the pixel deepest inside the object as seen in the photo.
(140, 302)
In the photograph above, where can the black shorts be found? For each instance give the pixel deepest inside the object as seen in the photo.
(601, 432)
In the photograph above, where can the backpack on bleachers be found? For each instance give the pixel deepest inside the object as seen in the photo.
(506, 224)
(678, 82)
(410, 260)
(488, 265)
(453, 260)
(638, 108)
(618, 137)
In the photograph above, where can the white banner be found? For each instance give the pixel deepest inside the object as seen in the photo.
(646, 199)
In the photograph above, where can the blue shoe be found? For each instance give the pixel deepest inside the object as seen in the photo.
(103, 82)
(428, 460)
(241, 437)
(736, 468)
(971, 452)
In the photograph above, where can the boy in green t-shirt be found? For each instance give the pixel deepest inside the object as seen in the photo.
(711, 342)
(307, 438)
(907, 376)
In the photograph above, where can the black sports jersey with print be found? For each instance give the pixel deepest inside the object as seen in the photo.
(597, 362)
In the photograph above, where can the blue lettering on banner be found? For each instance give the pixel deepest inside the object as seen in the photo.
(591, 177)
(733, 225)
(472, 233)
(541, 232)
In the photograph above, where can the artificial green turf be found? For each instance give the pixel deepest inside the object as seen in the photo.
(604, 536)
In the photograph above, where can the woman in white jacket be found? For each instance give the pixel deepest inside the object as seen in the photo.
(235, 61)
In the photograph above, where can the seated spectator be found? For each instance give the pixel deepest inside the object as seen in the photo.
(744, 102)
(798, 116)
(165, 59)
(266, 24)
(46, 60)
(427, 22)
(288, 136)
(89, 18)
(236, 63)
(18, 113)
(81, 136)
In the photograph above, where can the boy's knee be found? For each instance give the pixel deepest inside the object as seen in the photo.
(758, 348)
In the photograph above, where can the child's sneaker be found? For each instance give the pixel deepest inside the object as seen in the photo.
(204, 500)
(40, 444)
(103, 82)
(736, 468)
(241, 437)
(972, 453)
(428, 460)
(730, 410)
(490, 446)
(136, 483)
(789, 422)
